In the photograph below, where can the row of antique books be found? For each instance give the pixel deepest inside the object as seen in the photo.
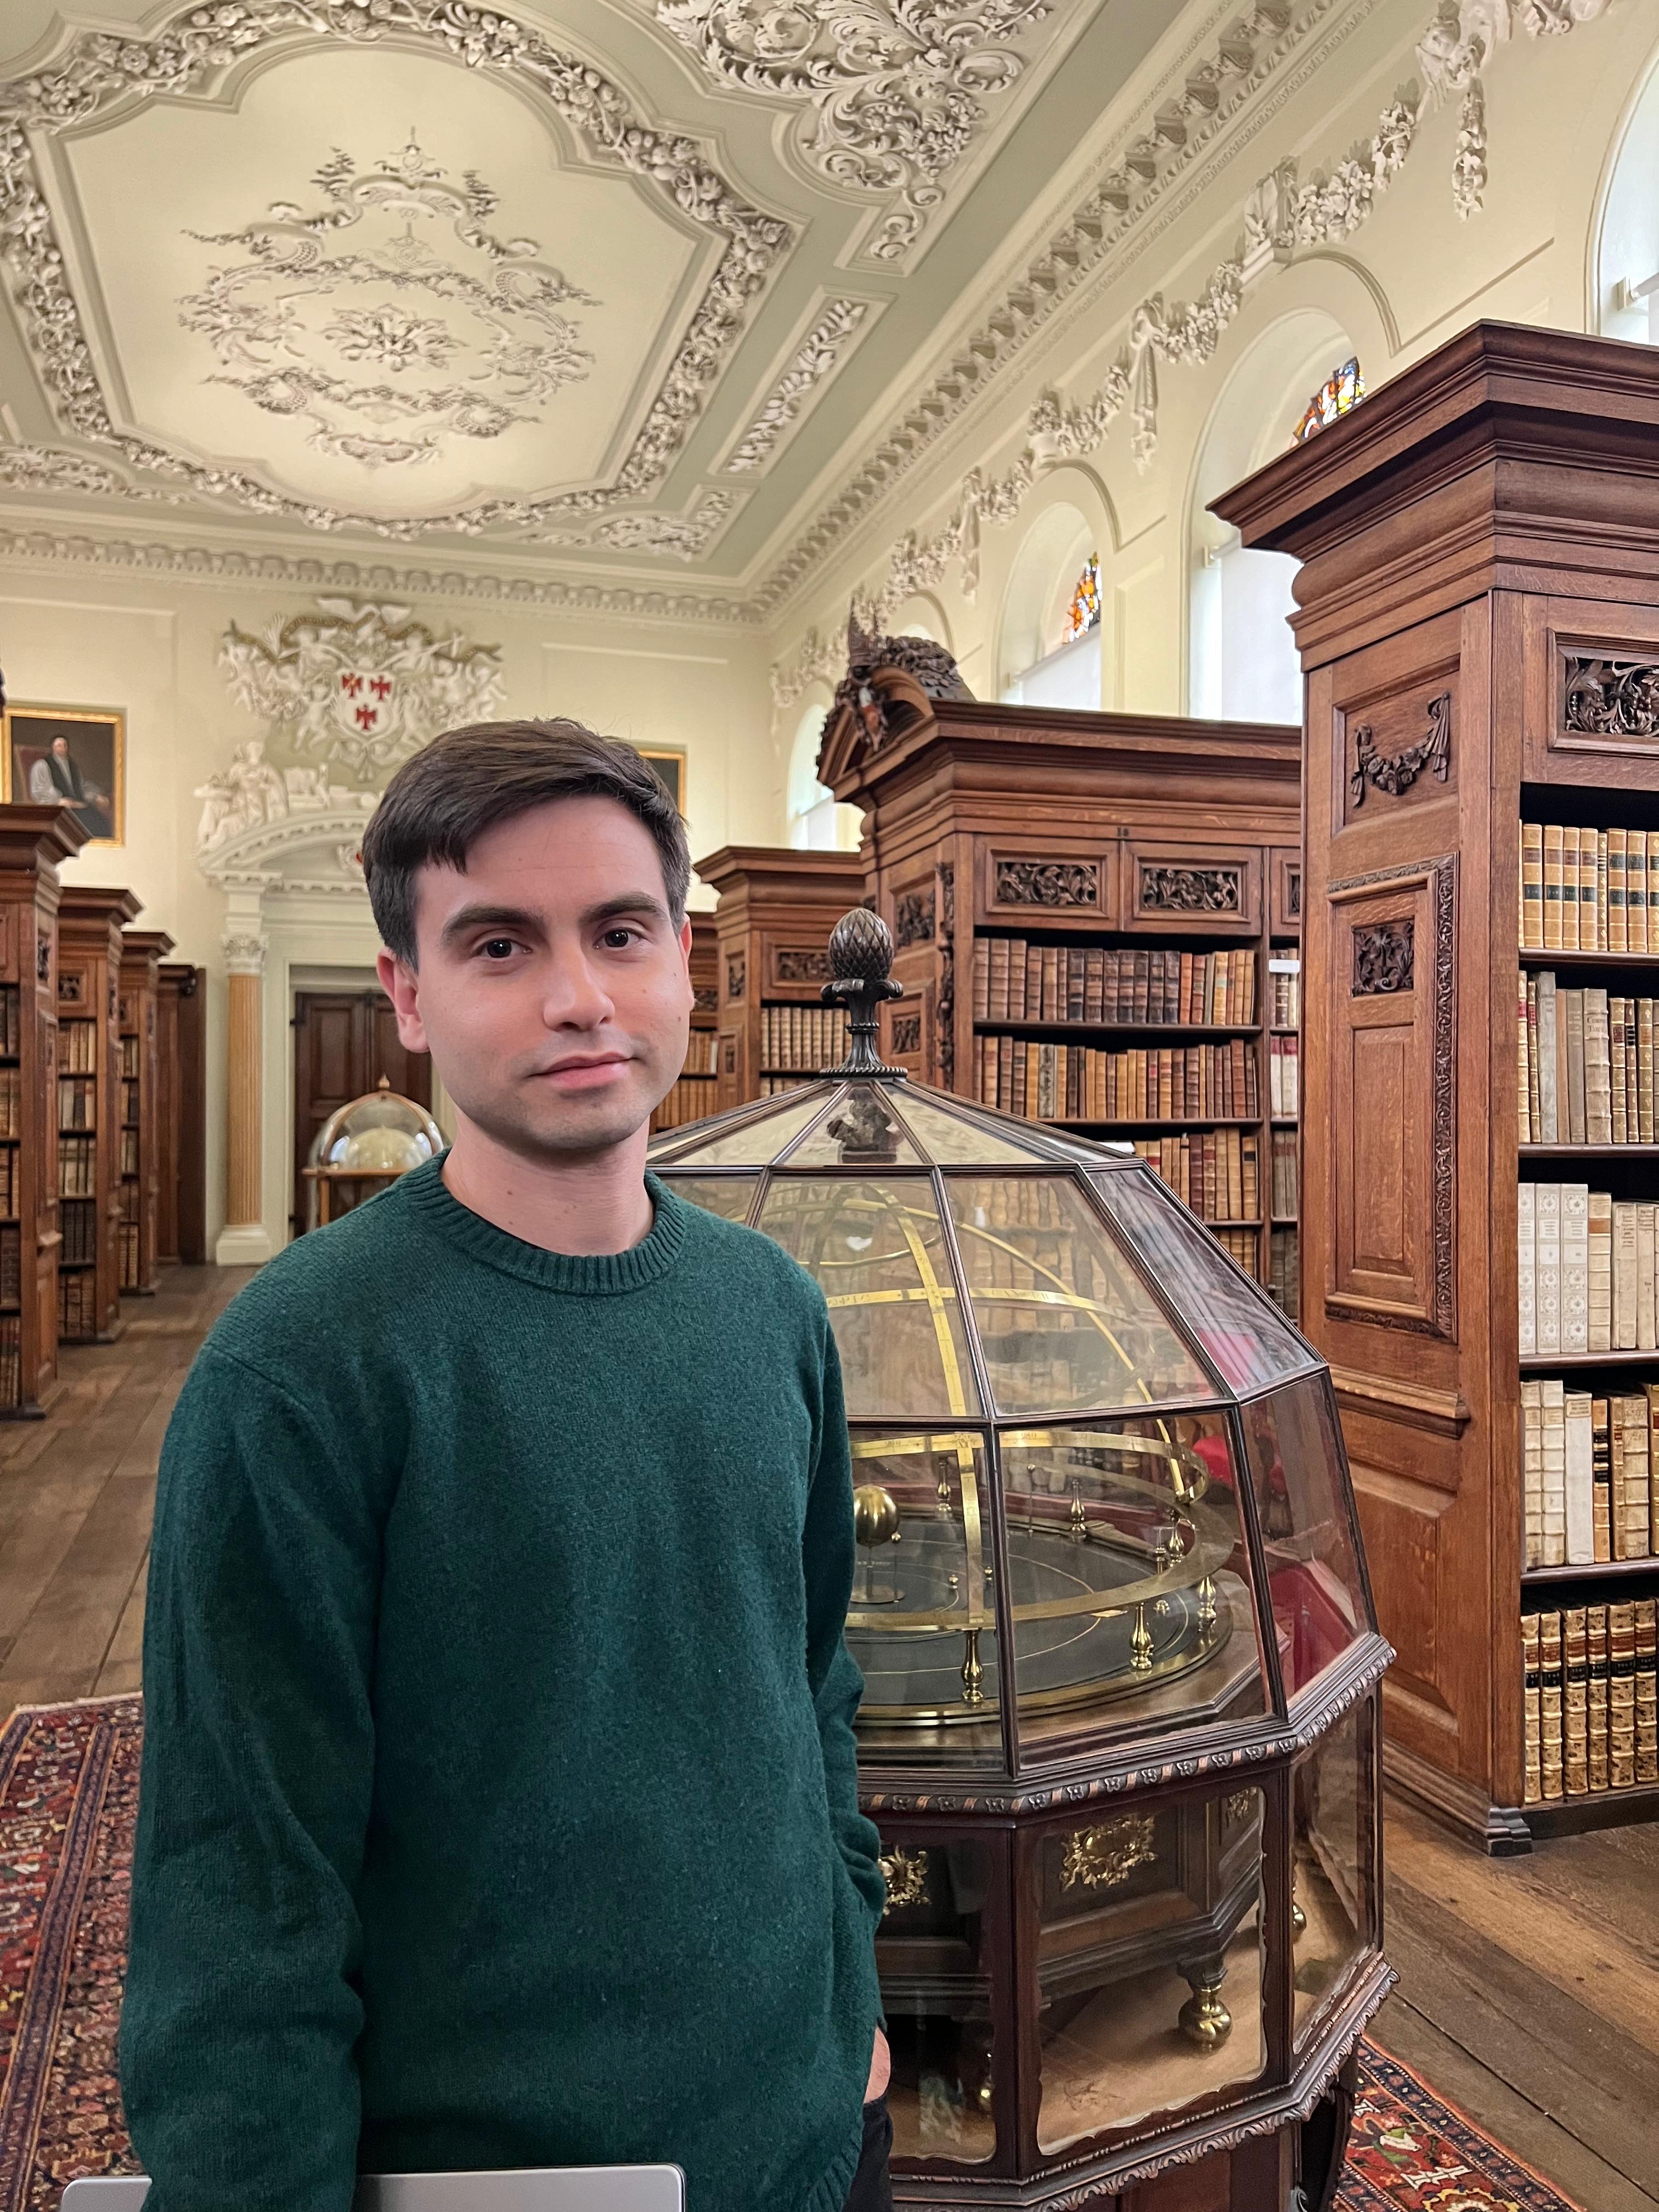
(11, 1100)
(1017, 981)
(1585, 1066)
(1285, 993)
(1284, 1075)
(11, 1265)
(701, 1053)
(1216, 1174)
(1587, 1269)
(1284, 1177)
(1588, 891)
(9, 1172)
(1075, 1082)
(1239, 1245)
(130, 1152)
(1590, 1692)
(131, 1048)
(11, 1360)
(78, 1222)
(1589, 1470)
(77, 1101)
(691, 1099)
(77, 1047)
(77, 1303)
(11, 1025)
(1285, 1271)
(129, 1256)
(800, 1038)
(77, 1167)
(130, 1102)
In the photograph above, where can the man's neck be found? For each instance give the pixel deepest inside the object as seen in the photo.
(596, 1204)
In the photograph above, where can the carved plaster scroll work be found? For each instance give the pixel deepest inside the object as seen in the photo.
(1602, 697)
(1395, 773)
(1048, 883)
(1382, 959)
(1191, 891)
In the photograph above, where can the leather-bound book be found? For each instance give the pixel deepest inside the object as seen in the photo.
(1596, 1637)
(1533, 1784)
(1532, 887)
(1575, 1693)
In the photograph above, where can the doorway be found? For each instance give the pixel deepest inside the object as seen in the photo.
(343, 1042)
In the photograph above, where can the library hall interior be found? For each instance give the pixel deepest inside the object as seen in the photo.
(1127, 531)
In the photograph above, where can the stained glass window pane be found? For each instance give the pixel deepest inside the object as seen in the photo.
(1083, 613)
(1343, 389)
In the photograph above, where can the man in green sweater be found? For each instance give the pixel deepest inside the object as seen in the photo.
(499, 1802)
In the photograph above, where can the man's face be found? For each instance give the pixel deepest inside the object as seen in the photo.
(60, 746)
(552, 990)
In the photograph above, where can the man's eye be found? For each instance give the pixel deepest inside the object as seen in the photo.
(498, 948)
(622, 935)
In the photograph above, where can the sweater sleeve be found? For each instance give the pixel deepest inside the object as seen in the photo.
(242, 2005)
(837, 1684)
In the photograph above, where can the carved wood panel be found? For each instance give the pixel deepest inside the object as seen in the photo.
(1285, 896)
(1392, 1014)
(795, 971)
(1181, 889)
(1396, 737)
(1050, 884)
(1592, 691)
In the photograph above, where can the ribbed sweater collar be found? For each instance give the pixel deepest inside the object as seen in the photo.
(582, 1275)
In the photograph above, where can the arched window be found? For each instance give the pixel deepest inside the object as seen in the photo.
(1625, 278)
(1242, 663)
(1051, 625)
(817, 823)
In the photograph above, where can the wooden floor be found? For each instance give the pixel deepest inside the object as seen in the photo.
(1529, 1988)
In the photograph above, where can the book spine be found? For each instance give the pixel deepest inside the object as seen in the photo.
(1554, 1472)
(1599, 1242)
(1596, 1637)
(1553, 887)
(1546, 1200)
(1574, 1003)
(1598, 1070)
(1527, 1268)
(1575, 1267)
(1580, 1480)
(1532, 887)
(1636, 889)
(1569, 889)
(1617, 935)
(1532, 1474)
(1550, 1744)
(1549, 1085)
(1602, 1479)
(1575, 1695)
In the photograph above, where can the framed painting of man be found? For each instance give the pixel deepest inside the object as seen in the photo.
(669, 762)
(69, 755)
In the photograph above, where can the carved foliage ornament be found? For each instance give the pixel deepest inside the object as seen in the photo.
(1048, 883)
(905, 1874)
(1382, 959)
(1191, 891)
(736, 975)
(930, 664)
(1608, 698)
(906, 1033)
(913, 918)
(894, 90)
(1105, 1856)
(814, 358)
(365, 684)
(808, 963)
(1394, 773)
(946, 1017)
(187, 57)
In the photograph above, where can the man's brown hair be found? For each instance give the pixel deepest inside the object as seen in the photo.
(465, 782)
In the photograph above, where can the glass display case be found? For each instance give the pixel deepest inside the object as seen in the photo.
(1120, 1731)
(364, 1144)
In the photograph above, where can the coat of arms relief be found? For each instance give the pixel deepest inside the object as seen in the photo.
(387, 315)
(358, 686)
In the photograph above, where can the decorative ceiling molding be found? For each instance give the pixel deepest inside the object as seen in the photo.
(685, 536)
(216, 565)
(361, 683)
(99, 75)
(491, 348)
(813, 360)
(1278, 217)
(893, 92)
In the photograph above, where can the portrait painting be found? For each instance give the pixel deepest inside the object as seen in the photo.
(71, 757)
(670, 765)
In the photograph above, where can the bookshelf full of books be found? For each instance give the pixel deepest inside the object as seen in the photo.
(138, 1106)
(693, 1094)
(776, 908)
(35, 842)
(1089, 914)
(90, 921)
(1478, 620)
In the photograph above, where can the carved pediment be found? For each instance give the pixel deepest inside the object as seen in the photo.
(887, 692)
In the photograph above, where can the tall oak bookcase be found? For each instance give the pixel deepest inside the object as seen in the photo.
(777, 907)
(1479, 629)
(90, 921)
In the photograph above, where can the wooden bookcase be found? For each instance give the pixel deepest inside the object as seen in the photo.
(693, 1094)
(34, 840)
(777, 908)
(140, 1107)
(180, 1112)
(1479, 637)
(1124, 848)
(90, 921)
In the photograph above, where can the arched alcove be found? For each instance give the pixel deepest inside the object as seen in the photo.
(817, 823)
(1037, 664)
(1624, 273)
(922, 616)
(1242, 663)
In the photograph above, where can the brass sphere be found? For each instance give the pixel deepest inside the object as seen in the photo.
(875, 1514)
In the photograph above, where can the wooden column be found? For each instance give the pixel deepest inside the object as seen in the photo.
(180, 1114)
(90, 920)
(777, 907)
(139, 1105)
(1479, 627)
(243, 1241)
(33, 841)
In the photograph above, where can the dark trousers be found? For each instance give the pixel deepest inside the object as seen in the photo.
(872, 2185)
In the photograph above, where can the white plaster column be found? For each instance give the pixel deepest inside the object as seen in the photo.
(244, 1240)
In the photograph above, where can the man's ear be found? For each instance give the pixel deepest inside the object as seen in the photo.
(403, 986)
(685, 959)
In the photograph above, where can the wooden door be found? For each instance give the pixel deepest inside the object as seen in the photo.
(343, 1042)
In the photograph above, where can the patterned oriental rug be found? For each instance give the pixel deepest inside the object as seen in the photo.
(69, 1791)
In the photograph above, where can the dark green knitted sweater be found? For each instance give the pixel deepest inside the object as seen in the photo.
(499, 1803)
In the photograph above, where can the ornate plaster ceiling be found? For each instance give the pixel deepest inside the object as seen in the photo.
(616, 284)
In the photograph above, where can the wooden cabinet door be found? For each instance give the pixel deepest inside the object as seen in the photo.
(343, 1042)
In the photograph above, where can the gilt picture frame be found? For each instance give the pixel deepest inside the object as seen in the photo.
(669, 762)
(68, 756)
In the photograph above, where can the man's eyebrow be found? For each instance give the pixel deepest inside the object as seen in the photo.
(479, 915)
(625, 903)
